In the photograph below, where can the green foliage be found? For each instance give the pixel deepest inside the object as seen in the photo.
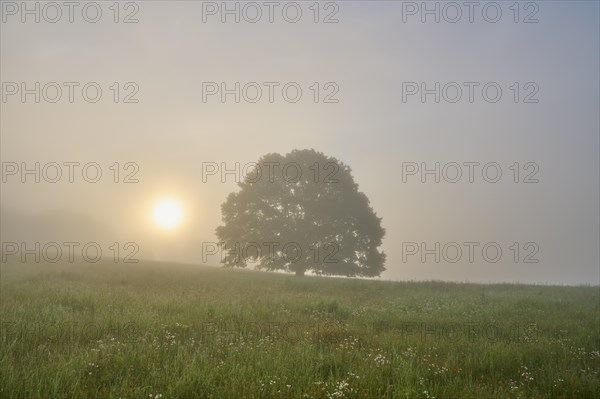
(304, 211)
(185, 331)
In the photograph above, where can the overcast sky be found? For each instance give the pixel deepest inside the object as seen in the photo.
(369, 59)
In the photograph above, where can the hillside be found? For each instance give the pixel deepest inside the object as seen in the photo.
(183, 331)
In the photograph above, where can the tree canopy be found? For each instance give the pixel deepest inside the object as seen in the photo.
(301, 212)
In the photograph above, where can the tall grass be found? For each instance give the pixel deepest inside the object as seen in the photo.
(181, 331)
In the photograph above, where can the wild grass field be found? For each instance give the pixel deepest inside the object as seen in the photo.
(153, 330)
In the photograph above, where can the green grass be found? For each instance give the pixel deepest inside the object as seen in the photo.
(182, 331)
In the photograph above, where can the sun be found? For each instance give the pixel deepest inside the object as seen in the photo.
(167, 213)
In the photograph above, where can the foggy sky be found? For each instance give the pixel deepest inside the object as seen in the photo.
(368, 54)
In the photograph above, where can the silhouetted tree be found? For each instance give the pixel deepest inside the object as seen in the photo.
(301, 212)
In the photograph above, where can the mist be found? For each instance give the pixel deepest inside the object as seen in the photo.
(169, 125)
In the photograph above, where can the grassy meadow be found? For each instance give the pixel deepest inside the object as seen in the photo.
(154, 330)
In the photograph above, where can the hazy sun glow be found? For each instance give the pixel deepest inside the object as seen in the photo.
(167, 213)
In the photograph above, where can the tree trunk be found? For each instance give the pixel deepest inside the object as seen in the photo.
(299, 273)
